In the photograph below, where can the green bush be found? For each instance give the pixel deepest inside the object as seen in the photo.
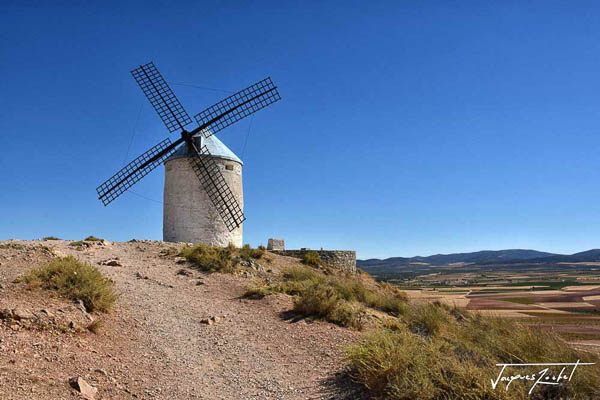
(50, 238)
(427, 318)
(208, 258)
(257, 292)
(78, 243)
(325, 302)
(92, 238)
(74, 280)
(247, 253)
(311, 258)
(442, 353)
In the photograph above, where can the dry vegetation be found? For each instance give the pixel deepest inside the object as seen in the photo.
(438, 352)
(334, 296)
(413, 349)
(74, 280)
(424, 350)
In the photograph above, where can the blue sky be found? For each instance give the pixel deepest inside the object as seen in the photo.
(406, 127)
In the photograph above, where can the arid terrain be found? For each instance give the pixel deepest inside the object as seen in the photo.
(561, 297)
(174, 333)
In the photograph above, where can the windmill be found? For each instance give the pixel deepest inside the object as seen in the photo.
(199, 158)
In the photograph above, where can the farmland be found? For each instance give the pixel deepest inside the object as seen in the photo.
(564, 297)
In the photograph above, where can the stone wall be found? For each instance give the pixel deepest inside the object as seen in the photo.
(276, 244)
(341, 259)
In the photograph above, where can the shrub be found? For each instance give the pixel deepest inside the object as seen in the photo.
(95, 326)
(92, 238)
(50, 238)
(74, 280)
(78, 243)
(257, 292)
(453, 355)
(324, 301)
(261, 247)
(311, 258)
(426, 319)
(247, 253)
(208, 258)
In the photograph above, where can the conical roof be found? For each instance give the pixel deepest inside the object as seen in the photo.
(214, 145)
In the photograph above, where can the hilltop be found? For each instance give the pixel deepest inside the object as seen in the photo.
(482, 258)
(175, 332)
(147, 319)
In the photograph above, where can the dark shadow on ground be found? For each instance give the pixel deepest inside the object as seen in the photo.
(341, 387)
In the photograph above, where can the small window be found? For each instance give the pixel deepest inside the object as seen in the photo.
(229, 167)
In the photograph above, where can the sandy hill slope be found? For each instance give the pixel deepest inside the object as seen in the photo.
(155, 343)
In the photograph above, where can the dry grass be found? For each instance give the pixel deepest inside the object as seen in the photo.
(335, 296)
(95, 326)
(92, 238)
(208, 258)
(247, 253)
(311, 258)
(437, 352)
(74, 280)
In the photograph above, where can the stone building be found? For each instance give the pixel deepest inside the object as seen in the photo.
(275, 244)
(188, 213)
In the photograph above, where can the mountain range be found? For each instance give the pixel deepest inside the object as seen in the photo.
(485, 257)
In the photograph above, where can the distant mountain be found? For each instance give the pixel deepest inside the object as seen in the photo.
(480, 257)
(584, 256)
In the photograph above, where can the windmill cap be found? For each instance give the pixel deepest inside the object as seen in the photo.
(215, 147)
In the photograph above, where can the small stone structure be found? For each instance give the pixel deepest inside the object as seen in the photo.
(340, 259)
(276, 244)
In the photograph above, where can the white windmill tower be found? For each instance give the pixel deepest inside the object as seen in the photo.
(209, 211)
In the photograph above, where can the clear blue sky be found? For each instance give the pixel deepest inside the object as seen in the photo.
(406, 127)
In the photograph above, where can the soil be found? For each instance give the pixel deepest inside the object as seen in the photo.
(159, 341)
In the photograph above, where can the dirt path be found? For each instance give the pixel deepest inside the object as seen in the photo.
(155, 343)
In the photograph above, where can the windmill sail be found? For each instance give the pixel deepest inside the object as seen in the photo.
(211, 121)
(161, 97)
(213, 182)
(135, 170)
(237, 107)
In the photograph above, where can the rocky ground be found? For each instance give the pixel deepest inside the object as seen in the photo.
(175, 333)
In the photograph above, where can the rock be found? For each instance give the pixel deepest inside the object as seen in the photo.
(86, 390)
(48, 313)
(101, 371)
(57, 253)
(22, 314)
(72, 325)
(111, 263)
(184, 272)
(6, 314)
(207, 321)
(215, 319)
(199, 283)
(82, 308)
(180, 260)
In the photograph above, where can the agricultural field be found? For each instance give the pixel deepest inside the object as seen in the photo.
(560, 297)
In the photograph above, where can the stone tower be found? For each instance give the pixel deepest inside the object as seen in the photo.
(188, 214)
